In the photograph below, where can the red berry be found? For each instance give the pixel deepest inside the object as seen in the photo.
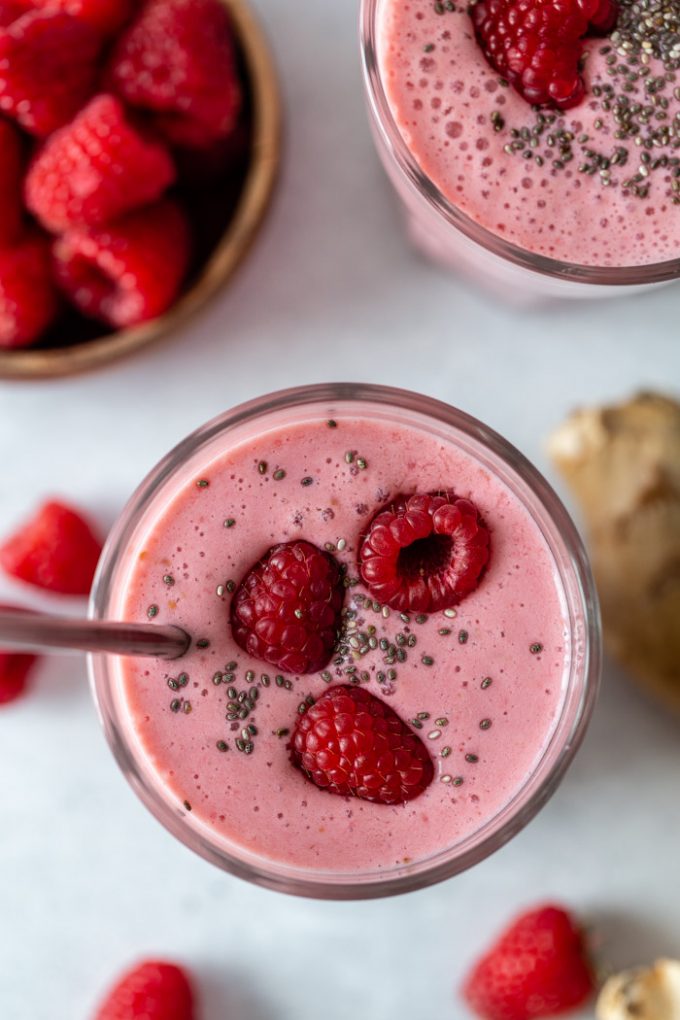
(153, 990)
(177, 60)
(28, 298)
(424, 553)
(129, 271)
(15, 669)
(55, 550)
(536, 44)
(352, 744)
(286, 610)
(11, 179)
(107, 16)
(96, 169)
(48, 69)
(537, 968)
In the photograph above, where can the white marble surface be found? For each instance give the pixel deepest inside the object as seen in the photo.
(88, 880)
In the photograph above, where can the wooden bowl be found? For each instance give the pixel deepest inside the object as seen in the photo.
(262, 84)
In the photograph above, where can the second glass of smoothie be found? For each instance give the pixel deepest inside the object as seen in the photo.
(532, 202)
(497, 688)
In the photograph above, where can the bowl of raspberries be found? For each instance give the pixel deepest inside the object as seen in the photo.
(139, 144)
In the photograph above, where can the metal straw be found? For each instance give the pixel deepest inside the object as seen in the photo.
(31, 631)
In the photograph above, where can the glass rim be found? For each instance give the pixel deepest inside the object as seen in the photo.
(414, 176)
(541, 782)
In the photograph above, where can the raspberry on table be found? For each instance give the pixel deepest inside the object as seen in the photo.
(55, 549)
(48, 69)
(424, 552)
(177, 61)
(127, 272)
(153, 990)
(538, 968)
(536, 44)
(29, 301)
(11, 181)
(107, 16)
(15, 671)
(287, 608)
(352, 744)
(96, 169)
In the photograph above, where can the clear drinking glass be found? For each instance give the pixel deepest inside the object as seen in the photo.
(397, 407)
(450, 237)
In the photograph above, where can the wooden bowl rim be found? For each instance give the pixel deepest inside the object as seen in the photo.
(229, 253)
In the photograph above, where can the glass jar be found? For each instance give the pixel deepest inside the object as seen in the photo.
(400, 409)
(447, 235)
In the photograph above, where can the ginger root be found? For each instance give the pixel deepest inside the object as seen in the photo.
(623, 465)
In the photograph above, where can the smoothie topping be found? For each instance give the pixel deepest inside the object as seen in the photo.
(536, 44)
(424, 553)
(538, 968)
(352, 744)
(287, 609)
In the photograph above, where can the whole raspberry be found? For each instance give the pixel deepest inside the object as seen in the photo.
(352, 744)
(28, 297)
(11, 180)
(55, 550)
(177, 61)
(423, 553)
(107, 16)
(536, 44)
(153, 990)
(537, 968)
(129, 271)
(95, 169)
(48, 69)
(286, 610)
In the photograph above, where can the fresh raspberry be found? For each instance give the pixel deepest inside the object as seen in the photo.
(55, 550)
(153, 990)
(536, 44)
(177, 60)
(11, 179)
(423, 553)
(28, 298)
(538, 968)
(351, 743)
(96, 169)
(286, 610)
(129, 271)
(48, 69)
(15, 669)
(107, 16)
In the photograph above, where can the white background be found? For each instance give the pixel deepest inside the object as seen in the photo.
(88, 880)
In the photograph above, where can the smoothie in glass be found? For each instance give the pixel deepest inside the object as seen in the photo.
(548, 199)
(491, 686)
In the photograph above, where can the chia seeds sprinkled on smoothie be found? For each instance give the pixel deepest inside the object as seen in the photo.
(634, 130)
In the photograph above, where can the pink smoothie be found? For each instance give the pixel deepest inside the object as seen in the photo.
(595, 186)
(484, 684)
